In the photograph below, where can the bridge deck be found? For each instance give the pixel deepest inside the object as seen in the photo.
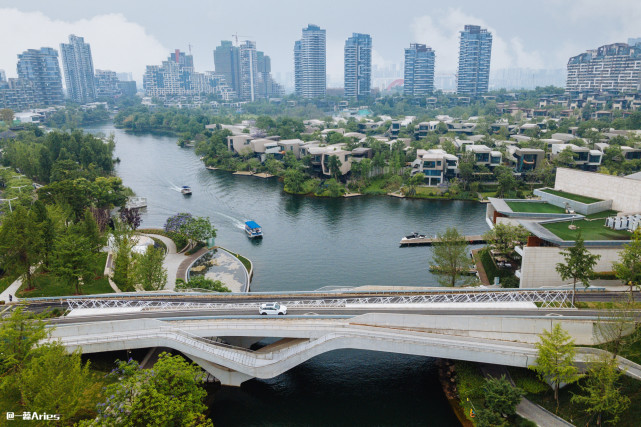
(429, 241)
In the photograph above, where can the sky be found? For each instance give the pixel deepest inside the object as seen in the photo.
(127, 35)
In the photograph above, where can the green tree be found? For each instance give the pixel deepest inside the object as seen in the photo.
(449, 256)
(21, 243)
(20, 331)
(167, 395)
(198, 229)
(628, 268)
(74, 257)
(123, 243)
(414, 182)
(6, 115)
(602, 391)
(201, 282)
(555, 359)
(294, 181)
(506, 180)
(148, 269)
(334, 166)
(57, 382)
(505, 237)
(466, 169)
(566, 158)
(579, 264)
(500, 396)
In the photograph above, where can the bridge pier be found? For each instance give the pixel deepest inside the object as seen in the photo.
(226, 376)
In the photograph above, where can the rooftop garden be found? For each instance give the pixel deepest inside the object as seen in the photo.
(590, 230)
(572, 196)
(535, 207)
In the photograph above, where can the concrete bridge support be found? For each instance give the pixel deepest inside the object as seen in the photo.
(225, 375)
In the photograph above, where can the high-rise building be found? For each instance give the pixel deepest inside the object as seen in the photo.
(633, 41)
(176, 77)
(248, 71)
(3, 76)
(125, 77)
(127, 87)
(267, 86)
(310, 63)
(475, 52)
(419, 70)
(17, 94)
(358, 66)
(227, 64)
(107, 84)
(78, 66)
(613, 67)
(41, 68)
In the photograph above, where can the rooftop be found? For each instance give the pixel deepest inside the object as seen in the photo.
(589, 229)
(534, 207)
(571, 196)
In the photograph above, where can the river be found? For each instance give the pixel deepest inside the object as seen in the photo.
(309, 243)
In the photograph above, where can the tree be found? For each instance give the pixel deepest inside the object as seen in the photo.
(167, 395)
(6, 115)
(450, 258)
(566, 158)
(19, 333)
(74, 257)
(617, 328)
(413, 182)
(555, 359)
(602, 391)
(21, 243)
(334, 166)
(148, 269)
(466, 169)
(198, 229)
(201, 282)
(505, 237)
(57, 382)
(123, 243)
(131, 217)
(628, 268)
(506, 180)
(579, 264)
(294, 180)
(501, 397)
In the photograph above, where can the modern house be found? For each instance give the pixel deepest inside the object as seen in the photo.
(437, 166)
(524, 159)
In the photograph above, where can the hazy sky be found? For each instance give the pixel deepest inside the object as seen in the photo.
(126, 35)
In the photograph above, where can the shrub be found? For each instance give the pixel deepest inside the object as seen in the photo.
(510, 282)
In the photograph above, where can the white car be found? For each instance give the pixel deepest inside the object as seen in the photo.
(272, 308)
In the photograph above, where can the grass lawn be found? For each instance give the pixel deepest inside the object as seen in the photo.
(590, 230)
(571, 196)
(47, 285)
(490, 268)
(602, 215)
(535, 207)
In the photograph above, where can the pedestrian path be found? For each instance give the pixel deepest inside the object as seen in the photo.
(11, 290)
(172, 260)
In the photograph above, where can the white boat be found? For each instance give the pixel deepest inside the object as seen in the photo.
(136, 203)
(253, 230)
(186, 190)
(412, 238)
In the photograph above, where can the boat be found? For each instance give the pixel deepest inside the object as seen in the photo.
(186, 190)
(253, 230)
(136, 203)
(412, 238)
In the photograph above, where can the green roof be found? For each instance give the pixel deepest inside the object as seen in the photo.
(534, 207)
(590, 230)
(571, 196)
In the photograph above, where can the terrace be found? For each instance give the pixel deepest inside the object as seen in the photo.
(589, 229)
(534, 207)
(571, 196)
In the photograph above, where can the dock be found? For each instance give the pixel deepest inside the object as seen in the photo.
(429, 241)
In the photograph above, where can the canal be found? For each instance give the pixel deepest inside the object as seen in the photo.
(309, 243)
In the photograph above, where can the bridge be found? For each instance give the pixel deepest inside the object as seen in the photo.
(217, 333)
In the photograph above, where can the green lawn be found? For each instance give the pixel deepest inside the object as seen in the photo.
(47, 285)
(590, 230)
(571, 196)
(602, 215)
(535, 207)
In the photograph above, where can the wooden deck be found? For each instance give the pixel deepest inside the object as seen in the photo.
(429, 241)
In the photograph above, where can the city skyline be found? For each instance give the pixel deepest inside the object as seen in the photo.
(518, 43)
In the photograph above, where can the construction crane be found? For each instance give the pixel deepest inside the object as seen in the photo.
(236, 37)
(189, 46)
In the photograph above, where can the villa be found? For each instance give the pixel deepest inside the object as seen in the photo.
(604, 209)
